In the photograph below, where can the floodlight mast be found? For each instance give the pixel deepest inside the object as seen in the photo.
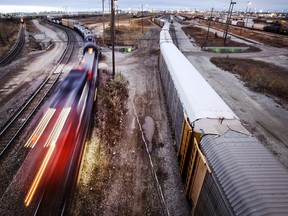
(228, 20)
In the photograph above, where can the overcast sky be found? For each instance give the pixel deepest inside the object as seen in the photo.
(89, 5)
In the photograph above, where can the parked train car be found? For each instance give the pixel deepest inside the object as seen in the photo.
(180, 19)
(69, 23)
(159, 21)
(86, 33)
(240, 23)
(226, 170)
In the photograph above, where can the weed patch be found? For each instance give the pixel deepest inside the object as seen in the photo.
(200, 37)
(259, 76)
(112, 99)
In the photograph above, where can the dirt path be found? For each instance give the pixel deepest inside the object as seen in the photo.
(147, 102)
(127, 185)
(261, 115)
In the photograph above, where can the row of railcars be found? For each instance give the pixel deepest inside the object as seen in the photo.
(86, 33)
(225, 169)
(278, 26)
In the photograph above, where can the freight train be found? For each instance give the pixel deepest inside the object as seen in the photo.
(58, 140)
(86, 33)
(226, 171)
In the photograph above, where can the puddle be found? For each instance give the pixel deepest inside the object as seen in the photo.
(149, 129)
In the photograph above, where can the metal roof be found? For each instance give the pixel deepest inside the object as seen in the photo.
(166, 37)
(253, 180)
(199, 99)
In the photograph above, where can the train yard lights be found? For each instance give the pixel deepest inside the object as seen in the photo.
(228, 20)
(249, 3)
(245, 23)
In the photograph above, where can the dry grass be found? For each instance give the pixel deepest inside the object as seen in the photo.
(200, 34)
(112, 97)
(259, 76)
(9, 30)
(32, 30)
(128, 34)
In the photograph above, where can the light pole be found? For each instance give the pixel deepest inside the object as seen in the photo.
(209, 23)
(228, 20)
(142, 18)
(103, 22)
(246, 14)
(117, 12)
(245, 24)
(112, 32)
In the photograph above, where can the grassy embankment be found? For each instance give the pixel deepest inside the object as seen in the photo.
(259, 76)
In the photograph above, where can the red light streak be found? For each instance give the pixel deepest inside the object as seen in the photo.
(40, 128)
(58, 126)
(39, 175)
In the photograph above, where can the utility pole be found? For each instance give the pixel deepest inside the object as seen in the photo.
(117, 17)
(209, 23)
(142, 18)
(103, 22)
(228, 20)
(112, 32)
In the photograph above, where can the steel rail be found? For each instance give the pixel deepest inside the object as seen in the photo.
(16, 124)
(10, 56)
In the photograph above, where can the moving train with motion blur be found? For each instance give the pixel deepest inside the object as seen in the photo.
(58, 141)
(225, 169)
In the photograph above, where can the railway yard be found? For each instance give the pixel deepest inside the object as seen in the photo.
(130, 164)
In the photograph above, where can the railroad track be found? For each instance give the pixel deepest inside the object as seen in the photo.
(11, 55)
(14, 126)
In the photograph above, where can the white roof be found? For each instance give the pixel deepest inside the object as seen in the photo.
(199, 99)
(165, 37)
(166, 26)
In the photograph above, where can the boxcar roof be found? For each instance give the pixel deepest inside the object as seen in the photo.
(199, 99)
(253, 180)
